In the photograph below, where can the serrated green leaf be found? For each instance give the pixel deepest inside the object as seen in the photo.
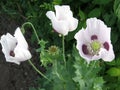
(86, 74)
(98, 83)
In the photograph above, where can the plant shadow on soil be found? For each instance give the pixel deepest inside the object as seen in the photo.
(13, 76)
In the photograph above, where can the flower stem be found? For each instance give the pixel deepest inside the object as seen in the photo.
(29, 23)
(63, 47)
(37, 70)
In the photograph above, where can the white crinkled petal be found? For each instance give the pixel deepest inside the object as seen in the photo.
(16, 44)
(8, 43)
(73, 23)
(12, 60)
(105, 32)
(97, 27)
(51, 15)
(63, 21)
(61, 27)
(63, 12)
(92, 26)
(5, 48)
(20, 38)
(21, 51)
(22, 54)
(81, 39)
(108, 55)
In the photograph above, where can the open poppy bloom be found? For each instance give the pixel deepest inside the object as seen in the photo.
(63, 20)
(94, 42)
(15, 48)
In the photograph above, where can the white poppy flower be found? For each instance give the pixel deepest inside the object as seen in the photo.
(63, 20)
(94, 42)
(15, 48)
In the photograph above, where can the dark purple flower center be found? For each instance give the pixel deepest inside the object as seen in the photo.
(12, 53)
(94, 37)
(106, 46)
(84, 49)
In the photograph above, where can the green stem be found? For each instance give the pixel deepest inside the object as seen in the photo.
(37, 70)
(29, 23)
(63, 47)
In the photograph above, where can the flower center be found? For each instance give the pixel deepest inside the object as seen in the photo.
(94, 47)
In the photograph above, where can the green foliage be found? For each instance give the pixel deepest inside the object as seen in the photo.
(48, 55)
(77, 75)
(60, 76)
(85, 1)
(82, 15)
(57, 2)
(117, 8)
(47, 6)
(103, 2)
(114, 71)
(86, 74)
(95, 12)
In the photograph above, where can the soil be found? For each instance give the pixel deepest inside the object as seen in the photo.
(13, 76)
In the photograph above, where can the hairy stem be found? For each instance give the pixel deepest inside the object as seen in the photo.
(63, 47)
(29, 23)
(37, 70)
(34, 67)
